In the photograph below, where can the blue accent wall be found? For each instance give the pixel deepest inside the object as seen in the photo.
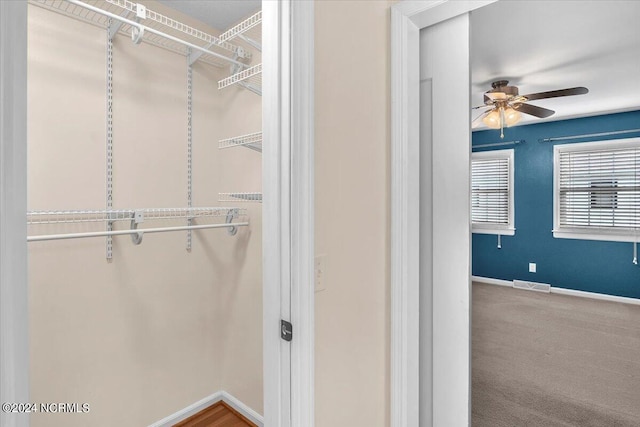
(585, 265)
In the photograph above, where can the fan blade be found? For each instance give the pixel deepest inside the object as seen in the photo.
(482, 106)
(557, 93)
(534, 110)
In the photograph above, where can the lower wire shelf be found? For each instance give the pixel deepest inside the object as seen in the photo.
(136, 217)
(240, 197)
(252, 141)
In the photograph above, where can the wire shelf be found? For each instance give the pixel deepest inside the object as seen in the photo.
(180, 27)
(252, 141)
(153, 20)
(81, 216)
(251, 76)
(240, 197)
(247, 28)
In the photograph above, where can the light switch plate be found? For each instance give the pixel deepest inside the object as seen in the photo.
(320, 272)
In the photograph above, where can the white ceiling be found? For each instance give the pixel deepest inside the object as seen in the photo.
(547, 45)
(219, 14)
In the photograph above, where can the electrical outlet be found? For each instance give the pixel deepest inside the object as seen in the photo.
(532, 267)
(320, 272)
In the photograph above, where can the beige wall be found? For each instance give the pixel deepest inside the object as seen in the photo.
(158, 328)
(352, 212)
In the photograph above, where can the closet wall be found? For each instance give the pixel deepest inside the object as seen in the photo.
(158, 328)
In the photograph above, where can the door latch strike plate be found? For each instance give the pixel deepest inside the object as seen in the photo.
(286, 330)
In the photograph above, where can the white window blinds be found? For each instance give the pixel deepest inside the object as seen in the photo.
(598, 188)
(492, 192)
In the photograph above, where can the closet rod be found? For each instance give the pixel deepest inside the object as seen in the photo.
(589, 135)
(153, 31)
(136, 231)
(499, 144)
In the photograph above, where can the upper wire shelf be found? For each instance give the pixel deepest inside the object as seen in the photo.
(184, 33)
(252, 141)
(248, 30)
(80, 216)
(243, 27)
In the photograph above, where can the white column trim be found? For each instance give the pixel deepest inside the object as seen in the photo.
(14, 327)
(405, 221)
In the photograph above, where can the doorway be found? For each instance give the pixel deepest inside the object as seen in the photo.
(406, 225)
(287, 209)
(435, 364)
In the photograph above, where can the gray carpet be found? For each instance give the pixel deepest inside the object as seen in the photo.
(553, 360)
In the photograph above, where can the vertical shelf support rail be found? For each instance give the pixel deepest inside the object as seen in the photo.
(109, 141)
(189, 147)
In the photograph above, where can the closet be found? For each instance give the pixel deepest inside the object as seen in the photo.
(144, 211)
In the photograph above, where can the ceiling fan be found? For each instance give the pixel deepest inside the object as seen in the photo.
(507, 104)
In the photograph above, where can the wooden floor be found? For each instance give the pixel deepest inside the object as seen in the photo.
(553, 360)
(217, 415)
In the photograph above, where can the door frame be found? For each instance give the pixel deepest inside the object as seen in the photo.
(288, 239)
(288, 212)
(407, 19)
(14, 356)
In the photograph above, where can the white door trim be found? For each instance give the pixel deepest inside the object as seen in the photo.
(14, 369)
(288, 244)
(407, 19)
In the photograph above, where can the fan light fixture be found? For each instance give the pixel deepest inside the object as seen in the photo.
(506, 105)
(500, 117)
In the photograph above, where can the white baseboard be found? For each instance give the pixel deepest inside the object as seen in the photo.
(243, 409)
(216, 397)
(563, 291)
(491, 281)
(593, 295)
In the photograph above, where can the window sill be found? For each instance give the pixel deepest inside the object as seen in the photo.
(591, 235)
(494, 231)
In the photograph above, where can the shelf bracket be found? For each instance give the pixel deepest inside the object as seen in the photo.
(192, 56)
(231, 230)
(251, 87)
(114, 26)
(257, 46)
(138, 217)
(137, 33)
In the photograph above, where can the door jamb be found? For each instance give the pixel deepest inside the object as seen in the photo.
(407, 19)
(288, 212)
(14, 364)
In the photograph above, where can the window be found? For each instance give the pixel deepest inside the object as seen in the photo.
(492, 192)
(597, 190)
